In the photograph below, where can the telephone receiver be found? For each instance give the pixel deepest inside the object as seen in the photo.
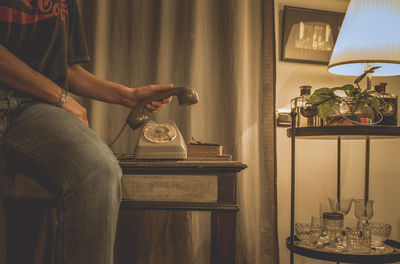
(139, 115)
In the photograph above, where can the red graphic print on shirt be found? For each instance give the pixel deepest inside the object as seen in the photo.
(38, 10)
(28, 3)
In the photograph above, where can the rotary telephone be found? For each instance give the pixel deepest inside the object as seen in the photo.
(160, 141)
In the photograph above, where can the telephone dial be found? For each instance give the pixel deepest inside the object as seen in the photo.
(160, 140)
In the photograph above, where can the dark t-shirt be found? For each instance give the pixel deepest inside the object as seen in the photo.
(45, 34)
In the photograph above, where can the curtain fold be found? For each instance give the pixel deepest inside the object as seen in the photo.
(225, 50)
(269, 136)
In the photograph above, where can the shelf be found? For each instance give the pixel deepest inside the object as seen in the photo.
(346, 132)
(339, 133)
(348, 258)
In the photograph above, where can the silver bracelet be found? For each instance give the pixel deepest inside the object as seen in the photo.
(63, 97)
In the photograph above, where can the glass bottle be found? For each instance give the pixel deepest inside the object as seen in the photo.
(389, 117)
(306, 115)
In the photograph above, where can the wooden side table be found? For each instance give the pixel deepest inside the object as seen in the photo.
(188, 185)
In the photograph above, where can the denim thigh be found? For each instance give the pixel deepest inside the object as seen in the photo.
(58, 150)
(68, 159)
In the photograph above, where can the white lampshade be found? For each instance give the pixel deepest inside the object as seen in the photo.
(369, 36)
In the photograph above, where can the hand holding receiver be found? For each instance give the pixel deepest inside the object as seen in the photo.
(138, 115)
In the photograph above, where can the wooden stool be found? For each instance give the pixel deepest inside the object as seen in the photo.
(175, 185)
(30, 220)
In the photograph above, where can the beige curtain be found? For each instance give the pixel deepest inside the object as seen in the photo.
(224, 49)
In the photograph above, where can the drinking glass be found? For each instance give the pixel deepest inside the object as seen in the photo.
(340, 204)
(357, 240)
(315, 229)
(363, 211)
(379, 233)
(303, 232)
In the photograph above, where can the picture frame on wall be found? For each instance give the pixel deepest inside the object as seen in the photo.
(309, 35)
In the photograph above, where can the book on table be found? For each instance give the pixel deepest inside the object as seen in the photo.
(206, 151)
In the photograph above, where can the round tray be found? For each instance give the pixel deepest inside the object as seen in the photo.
(390, 254)
(346, 132)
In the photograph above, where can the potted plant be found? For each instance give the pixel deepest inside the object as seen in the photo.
(348, 104)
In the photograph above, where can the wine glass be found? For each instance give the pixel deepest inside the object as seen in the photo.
(340, 204)
(363, 211)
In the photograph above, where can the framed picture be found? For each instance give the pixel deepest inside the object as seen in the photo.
(309, 35)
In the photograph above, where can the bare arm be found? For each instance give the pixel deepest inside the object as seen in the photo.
(88, 85)
(85, 84)
(20, 76)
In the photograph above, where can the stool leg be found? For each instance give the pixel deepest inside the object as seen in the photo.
(11, 215)
(30, 233)
(45, 239)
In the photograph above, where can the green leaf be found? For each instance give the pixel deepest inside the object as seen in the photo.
(320, 96)
(375, 105)
(362, 76)
(325, 107)
(349, 90)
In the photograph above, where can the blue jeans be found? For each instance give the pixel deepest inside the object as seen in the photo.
(70, 161)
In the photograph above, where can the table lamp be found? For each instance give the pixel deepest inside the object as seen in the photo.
(369, 37)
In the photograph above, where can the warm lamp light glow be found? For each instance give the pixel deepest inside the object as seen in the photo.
(369, 36)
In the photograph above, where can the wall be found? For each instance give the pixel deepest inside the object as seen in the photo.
(316, 159)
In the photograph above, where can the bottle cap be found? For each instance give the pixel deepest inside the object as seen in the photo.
(381, 88)
(305, 90)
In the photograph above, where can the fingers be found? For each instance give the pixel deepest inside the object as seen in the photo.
(154, 88)
(167, 100)
(149, 90)
(81, 113)
(75, 108)
(82, 116)
(156, 106)
(151, 108)
(85, 120)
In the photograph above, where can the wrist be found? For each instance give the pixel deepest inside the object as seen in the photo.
(63, 98)
(126, 95)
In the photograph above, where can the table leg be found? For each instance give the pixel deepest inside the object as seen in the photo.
(223, 237)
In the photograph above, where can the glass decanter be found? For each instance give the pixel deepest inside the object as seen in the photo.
(388, 117)
(306, 114)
